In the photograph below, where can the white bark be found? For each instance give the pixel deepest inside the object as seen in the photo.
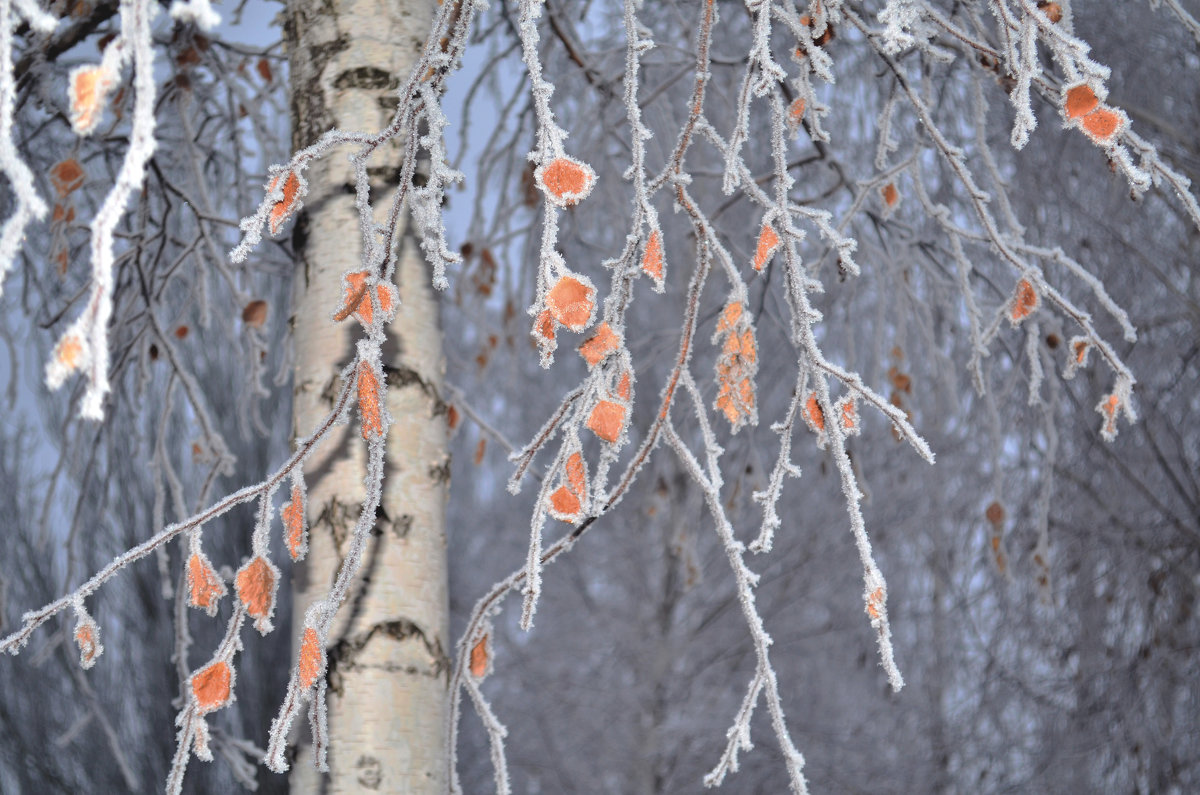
(387, 660)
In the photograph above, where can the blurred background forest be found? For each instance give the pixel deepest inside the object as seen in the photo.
(1080, 682)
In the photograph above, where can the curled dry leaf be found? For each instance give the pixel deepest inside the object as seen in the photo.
(768, 243)
(652, 259)
(358, 299)
(282, 210)
(256, 583)
(312, 658)
(600, 345)
(369, 407)
(295, 528)
(1024, 302)
(814, 415)
(205, 588)
(480, 656)
(87, 637)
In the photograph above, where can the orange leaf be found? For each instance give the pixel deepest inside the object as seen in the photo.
(602, 344)
(368, 402)
(256, 583)
(312, 658)
(796, 111)
(652, 260)
(356, 286)
(891, 196)
(565, 180)
(293, 524)
(768, 241)
(624, 386)
(205, 588)
(479, 658)
(816, 416)
(282, 210)
(607, 420)
(1102, 124)
(730, 316)
(1024, 302)
(544, 326)
(1080, 100)
(211, 686)
(570, 302)
(576, 474)
(564, 504)
(994, 513)
(255, 313)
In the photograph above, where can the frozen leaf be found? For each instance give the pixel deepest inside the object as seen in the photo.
(736, 366)
(768, 242)
(576, 474)
(607, 420)
(480, 658)
(1024, 302)
(652, 259)
(571, 302)
(205, 588)
(1079, 100)
(813, 414)
(358, 299)
(600, 345)
(295, 528)
(369, 407)
(212, 686)
(312, 658)
(566, 181)
(256, 583)
(282, 210)
(1102, 124)
(564, 504)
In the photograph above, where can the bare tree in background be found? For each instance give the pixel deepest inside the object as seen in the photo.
(737, 272)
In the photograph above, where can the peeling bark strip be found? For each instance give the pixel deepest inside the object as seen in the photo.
(386, 675)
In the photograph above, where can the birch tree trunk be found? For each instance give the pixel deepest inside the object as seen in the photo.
(387, 658)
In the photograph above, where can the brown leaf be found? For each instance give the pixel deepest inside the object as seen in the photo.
(255, 313)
